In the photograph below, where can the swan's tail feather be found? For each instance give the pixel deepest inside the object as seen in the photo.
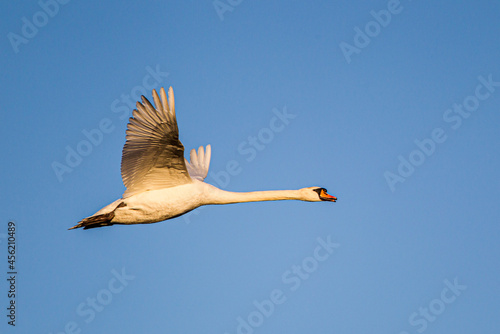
(95, 221)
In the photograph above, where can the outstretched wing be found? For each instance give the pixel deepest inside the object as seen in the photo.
(153, 156)
(198, 168)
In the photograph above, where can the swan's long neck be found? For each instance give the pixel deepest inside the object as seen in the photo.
(218, 196)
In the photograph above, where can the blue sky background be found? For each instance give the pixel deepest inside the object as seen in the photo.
(352, 121)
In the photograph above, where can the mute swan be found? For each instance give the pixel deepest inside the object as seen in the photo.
(161, 184)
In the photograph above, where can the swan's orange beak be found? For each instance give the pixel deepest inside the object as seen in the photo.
(326, 197)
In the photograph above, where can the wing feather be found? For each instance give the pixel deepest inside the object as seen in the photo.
(156, 100)
(199, 164)
(208, 155)
(164, 99)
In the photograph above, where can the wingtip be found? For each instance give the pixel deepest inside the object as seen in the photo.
(157, 101)
(171, 100)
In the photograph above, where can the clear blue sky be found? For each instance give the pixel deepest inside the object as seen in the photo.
(397, 116)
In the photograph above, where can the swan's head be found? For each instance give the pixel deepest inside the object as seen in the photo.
(317, 194)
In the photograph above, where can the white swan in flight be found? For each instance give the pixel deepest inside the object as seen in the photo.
(161, 184)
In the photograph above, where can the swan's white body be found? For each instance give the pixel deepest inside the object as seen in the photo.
(158, 205)
(161, 184)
